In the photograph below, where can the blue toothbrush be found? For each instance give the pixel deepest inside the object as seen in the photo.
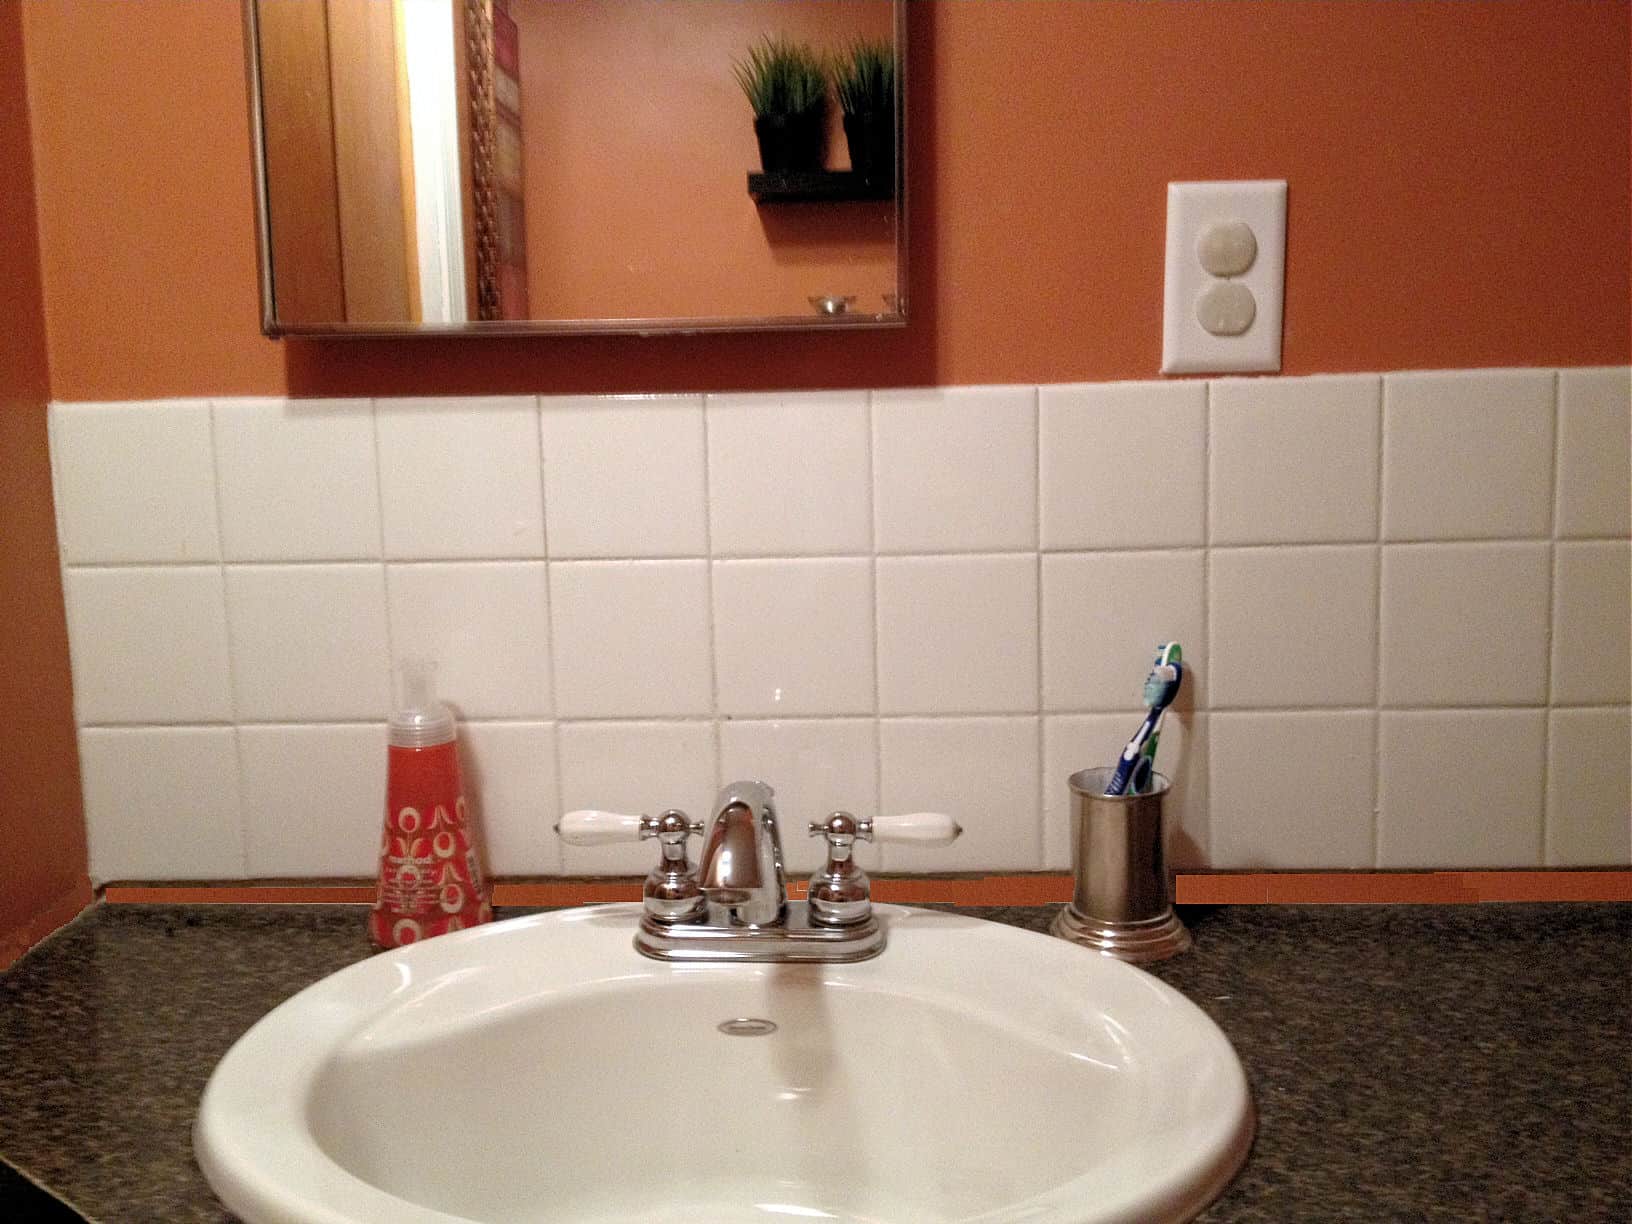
(1144, 768)
(1135, 768)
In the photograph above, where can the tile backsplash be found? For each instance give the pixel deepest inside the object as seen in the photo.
(1405, 599)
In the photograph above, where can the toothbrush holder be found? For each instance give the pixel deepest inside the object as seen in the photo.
(1122, 903)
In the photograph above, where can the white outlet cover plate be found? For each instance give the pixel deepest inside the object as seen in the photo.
(1187, 348)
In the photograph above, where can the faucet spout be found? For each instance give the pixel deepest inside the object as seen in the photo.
(733, 873)
(740, 870)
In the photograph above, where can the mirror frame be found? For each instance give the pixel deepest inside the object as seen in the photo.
(272, 327)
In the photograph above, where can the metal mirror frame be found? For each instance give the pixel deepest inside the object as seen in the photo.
(271, 326)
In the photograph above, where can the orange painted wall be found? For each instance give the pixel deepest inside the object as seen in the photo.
(42, 827)
(637, 145)
(1458, 197)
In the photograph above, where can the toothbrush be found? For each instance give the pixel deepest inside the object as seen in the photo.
(1145, 767)
(1134, 767)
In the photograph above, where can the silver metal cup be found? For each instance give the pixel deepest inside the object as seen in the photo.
(1122, 904)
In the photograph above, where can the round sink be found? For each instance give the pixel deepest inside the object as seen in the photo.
(541, 1070)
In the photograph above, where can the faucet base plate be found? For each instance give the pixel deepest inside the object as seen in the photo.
(795, 938)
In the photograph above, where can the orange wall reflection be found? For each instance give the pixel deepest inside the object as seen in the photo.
(637, 145)
(1458, 197)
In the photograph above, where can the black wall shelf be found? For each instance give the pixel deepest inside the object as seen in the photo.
(796, 186)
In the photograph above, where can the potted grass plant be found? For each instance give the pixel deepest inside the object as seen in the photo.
(786, 84)
(864, 79)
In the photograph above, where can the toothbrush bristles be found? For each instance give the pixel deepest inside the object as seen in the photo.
(1157, 682)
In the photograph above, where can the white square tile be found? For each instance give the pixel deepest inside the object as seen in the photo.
(983, 772)
(1104, 615)
(1086, 741)
(1293, 626)
(957, 635)
(459, 478)
(1294, 460)
(308, 642)
(1589, 788)
(313, 799)
(1594, 451)
(1460, 788)
(148, 645)
(794, 637)
(161, 803)
(955, 470)
(1467, 454)
(134, 482)
(486, 624)
(634, 767)
(1292, 790)
(817, 766)
(790, 474)
(623, 477)
(298, 480)
(509, 773)
(631, 638)
(1122, 465)
(1464, 624)
(1592, 622)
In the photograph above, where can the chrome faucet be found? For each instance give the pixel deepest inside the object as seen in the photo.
(734, 905)
(740, 872)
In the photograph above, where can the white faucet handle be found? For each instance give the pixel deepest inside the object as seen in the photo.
(916, 828)
(588, 827)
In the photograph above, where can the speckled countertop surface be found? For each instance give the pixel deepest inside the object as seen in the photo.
(1408, 1062)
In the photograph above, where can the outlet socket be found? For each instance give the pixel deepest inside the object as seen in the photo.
(1193, 294)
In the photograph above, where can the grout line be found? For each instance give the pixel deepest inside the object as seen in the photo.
(713, 617)
(556, 797)
(1072, 551)
(142, 565)
(872, 559)
(379, 478)
(1469, 542)
(1206, 598)
(428, 562)
(226, 626)
(1546, 830)
(1040, 797)
(164, 726)
(851, 717)
(1379, 482)
(837, 555)
(1419, 708)
(1380, 433)
(976, 554)
(390, 638)
(700, 716)
(318, 563)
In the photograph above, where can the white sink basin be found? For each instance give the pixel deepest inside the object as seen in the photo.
(541, 1070)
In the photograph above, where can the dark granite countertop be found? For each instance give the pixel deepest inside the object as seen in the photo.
(1408, 1062)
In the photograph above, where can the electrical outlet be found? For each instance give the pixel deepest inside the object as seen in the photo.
(1226, 277)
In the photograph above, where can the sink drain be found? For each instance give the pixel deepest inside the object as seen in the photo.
(747, 1026)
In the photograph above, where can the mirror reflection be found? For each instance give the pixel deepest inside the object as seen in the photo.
(578, 165)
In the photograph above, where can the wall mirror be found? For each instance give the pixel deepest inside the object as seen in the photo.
(517, 166)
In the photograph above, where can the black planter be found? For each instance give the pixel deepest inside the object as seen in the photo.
(792, 142)
(871, 136)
